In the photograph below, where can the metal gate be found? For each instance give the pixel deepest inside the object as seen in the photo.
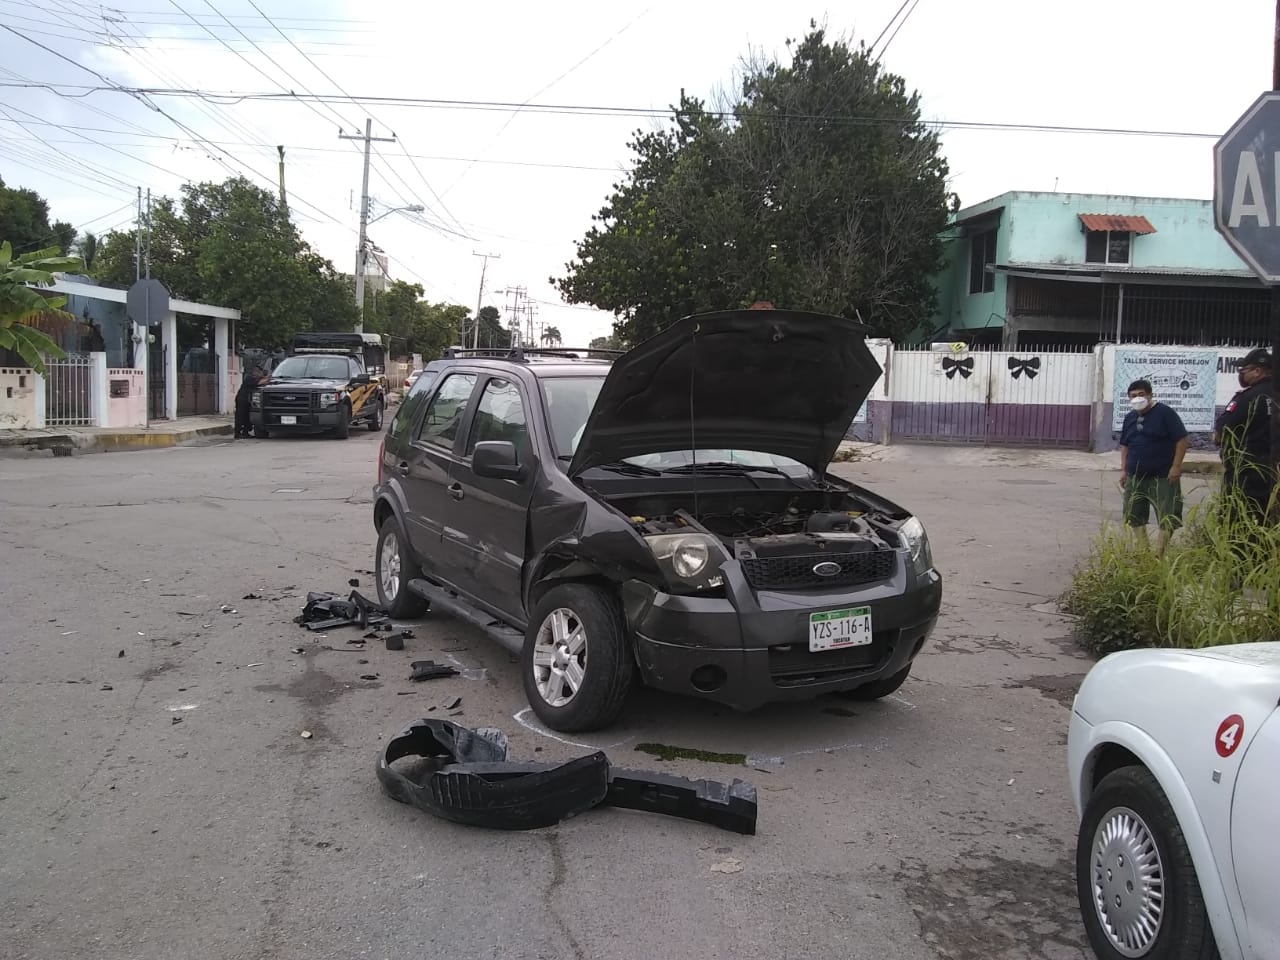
(157, 373)
(1036, 397)
(198, 391)
(68, 391)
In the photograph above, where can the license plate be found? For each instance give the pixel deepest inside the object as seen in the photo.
(288, 421)
(838, 629)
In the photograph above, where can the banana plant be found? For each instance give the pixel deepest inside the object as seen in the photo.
(21, 303)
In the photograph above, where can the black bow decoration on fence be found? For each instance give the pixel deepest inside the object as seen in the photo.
(1018, 367)
(950, 366)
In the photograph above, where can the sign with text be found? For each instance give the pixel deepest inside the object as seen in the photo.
(1186, 380)
(1246, 187)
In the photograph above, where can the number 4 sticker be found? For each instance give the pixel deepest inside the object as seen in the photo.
(1230, 733)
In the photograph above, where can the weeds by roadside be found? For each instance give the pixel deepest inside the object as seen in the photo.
(1217, 583)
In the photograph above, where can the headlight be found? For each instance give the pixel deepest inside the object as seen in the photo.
(687, 557)
(917, 544)
(329, 399)
(255, 398)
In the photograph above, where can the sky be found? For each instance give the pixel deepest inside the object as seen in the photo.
(501, 171)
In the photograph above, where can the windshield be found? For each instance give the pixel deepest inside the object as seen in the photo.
(313, 368)
(570, 399)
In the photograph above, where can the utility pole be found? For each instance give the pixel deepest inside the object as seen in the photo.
(1275, 300)
(148, 233)
(137, 241)
(475, 336)
(369, 140)
(284, 203)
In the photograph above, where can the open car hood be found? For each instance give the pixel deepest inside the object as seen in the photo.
(783, 382)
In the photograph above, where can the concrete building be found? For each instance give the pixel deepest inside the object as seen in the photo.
(1043, 269)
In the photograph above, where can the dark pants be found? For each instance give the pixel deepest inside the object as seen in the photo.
(242, 416)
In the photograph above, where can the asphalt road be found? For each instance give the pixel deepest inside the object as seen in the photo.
(157, 798)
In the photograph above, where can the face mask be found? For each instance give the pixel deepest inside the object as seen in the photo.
(1138, 403)
(1244, 378)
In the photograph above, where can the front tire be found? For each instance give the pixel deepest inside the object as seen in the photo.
(576, 661)
(392, 570)
(261, 433)
(343, 429)
(1139, 894)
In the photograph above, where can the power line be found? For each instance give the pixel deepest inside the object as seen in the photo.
(871, 49)
(896, 29)
(607, 110)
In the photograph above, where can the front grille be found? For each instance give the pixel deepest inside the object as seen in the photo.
(794, 664)
(288, 401)
(796, 573)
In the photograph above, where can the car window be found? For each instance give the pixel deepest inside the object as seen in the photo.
(355, 368)
(569, 401)
(406, 417)
(500, 416)
(306, 368)
(445, 412)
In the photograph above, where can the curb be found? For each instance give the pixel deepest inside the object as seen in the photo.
(67, 444)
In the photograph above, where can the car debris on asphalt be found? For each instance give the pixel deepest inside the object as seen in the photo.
(430, 670)
(467, 779)
(324, 611)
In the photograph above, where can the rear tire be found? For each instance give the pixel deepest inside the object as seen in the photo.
(375, 421)
(392, 570)
(261, 433)
(1134, 874)
(343, 429)
(576, 661)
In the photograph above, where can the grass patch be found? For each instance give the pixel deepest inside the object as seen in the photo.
(664, 752)
(1217, 583)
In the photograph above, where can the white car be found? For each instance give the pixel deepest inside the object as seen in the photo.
(1174, 760)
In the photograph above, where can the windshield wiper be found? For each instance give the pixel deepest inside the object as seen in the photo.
(634, 469)
(721, 466)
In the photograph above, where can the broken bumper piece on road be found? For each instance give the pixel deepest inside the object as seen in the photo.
(324, 611)
(465, 777)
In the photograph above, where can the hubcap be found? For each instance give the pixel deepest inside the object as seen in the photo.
(389, 568)
(560, 657)
(1128, 882)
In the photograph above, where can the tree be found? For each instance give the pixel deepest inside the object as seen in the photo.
(234, 245)
(21, 305)
(87, 250)
(552, 336)
(605, 343)
(817, 187)
(24, 222)
(492, 332)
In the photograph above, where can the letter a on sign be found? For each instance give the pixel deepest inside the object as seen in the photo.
(1248, 180)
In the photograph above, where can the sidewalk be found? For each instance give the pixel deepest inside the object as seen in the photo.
(976, 455)
(65, 441)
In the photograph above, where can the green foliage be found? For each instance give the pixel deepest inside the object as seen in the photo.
(21, 303)
(551, 337)
(605, 343)
(1216, 583)
(232, 244)
(492, 331)
(782, 196)
(412, 324)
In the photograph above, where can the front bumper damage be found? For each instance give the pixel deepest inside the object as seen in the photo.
(466, 778)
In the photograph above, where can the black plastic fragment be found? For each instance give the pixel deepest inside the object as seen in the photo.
(324, 611)
(430, 670)
(466, 778)
(395, 642)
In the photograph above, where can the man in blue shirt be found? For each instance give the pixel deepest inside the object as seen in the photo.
(1153, 442)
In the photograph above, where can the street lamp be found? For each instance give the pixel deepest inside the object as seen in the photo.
(412, 208)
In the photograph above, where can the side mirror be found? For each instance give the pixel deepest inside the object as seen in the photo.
(496, 459)
(362, 378)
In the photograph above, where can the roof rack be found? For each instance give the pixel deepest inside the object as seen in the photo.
(519, 354)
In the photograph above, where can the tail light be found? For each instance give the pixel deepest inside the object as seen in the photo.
(382, 452)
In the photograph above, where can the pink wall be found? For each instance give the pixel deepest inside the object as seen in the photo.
(129, 410)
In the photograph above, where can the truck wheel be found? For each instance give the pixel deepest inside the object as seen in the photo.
(343, 429)
(576, 662)
(375, 421)
(261, 433)
(392, 570)
(878, 689)
(1138, 890)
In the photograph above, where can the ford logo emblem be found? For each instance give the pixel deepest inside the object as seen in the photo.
(827, 568)
(290, 398)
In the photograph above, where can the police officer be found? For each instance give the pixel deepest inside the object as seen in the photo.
(252, 380)
(1243, 432)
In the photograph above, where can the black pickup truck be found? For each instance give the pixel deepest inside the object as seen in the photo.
(318, 393)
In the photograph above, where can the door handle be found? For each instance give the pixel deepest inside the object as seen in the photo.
(455, 491)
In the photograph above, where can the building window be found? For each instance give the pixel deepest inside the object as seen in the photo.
(1107, 246)
(982, 257)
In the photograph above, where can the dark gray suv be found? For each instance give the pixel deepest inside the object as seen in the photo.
(666, 516)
